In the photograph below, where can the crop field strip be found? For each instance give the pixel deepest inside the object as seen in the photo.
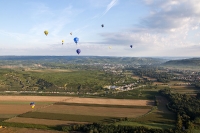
(66, 117)
(42, 121)
(94, 111)
(22, 103)
(104, 105)
(78, 100)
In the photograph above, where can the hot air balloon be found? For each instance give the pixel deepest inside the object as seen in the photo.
(76, 39)
(110, 47)
(131, 46)
(71, 33)
(78, 51)
(46, 32)
(32, 104)
(102, 25)
(62, 42)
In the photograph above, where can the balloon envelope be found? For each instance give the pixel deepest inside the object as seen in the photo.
(71, 33)
(102, 25)
(78, 51)
(76, 39)
(32, 103)
(131, 46)
(46, 32)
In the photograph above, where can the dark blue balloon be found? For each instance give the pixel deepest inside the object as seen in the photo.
(32, 103)
(78, 51)
(131, 46)
(76, 39)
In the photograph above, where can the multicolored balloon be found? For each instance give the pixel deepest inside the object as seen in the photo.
(62, 42)
(32, 104)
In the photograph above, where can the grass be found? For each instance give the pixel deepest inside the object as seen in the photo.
(148, 125)
(67, 117)
(2, 119)
(161, 115)
(7, 115)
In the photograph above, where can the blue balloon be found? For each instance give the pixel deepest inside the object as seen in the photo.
(78, 51)
(131, 46)
(32, 103)
(76, 39)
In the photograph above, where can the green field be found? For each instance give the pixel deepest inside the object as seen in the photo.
(67, 117)
(147, 124)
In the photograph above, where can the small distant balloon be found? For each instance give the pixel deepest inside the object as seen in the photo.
(32, 104)
(71, 33)
(78, 51)
(62, 42)
(110, 47)
(46, 32)
(131, 46)
(76, 39)
(102, 25)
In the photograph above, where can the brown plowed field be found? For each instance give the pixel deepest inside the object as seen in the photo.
(42, 121)
(94, 111)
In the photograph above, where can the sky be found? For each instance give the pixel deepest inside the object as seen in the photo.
(152, 27)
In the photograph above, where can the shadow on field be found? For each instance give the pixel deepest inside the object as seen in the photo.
(150, 103)
(110, 120)
(163, 118)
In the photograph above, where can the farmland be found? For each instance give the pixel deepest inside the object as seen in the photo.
(78, 97)
(68, 110)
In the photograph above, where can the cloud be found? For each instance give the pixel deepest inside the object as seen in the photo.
(168, 27)
(109, 6)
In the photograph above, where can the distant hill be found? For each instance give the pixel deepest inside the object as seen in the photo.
(184, 62)
(24, 60)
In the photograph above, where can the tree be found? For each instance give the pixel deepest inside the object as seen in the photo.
(179, 123)
(190, 126)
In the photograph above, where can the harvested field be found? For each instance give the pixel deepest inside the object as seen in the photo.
(16, 109)
(33, 98)
(94, 111)
(110, 101)
(25, 130)
(48, 70)
(135, 77)
(78, 100)
(103, 105)
(42, 121)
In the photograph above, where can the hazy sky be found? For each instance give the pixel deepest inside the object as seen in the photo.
(153, 27)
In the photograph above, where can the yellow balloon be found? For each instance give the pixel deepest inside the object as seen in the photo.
(46, 32)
